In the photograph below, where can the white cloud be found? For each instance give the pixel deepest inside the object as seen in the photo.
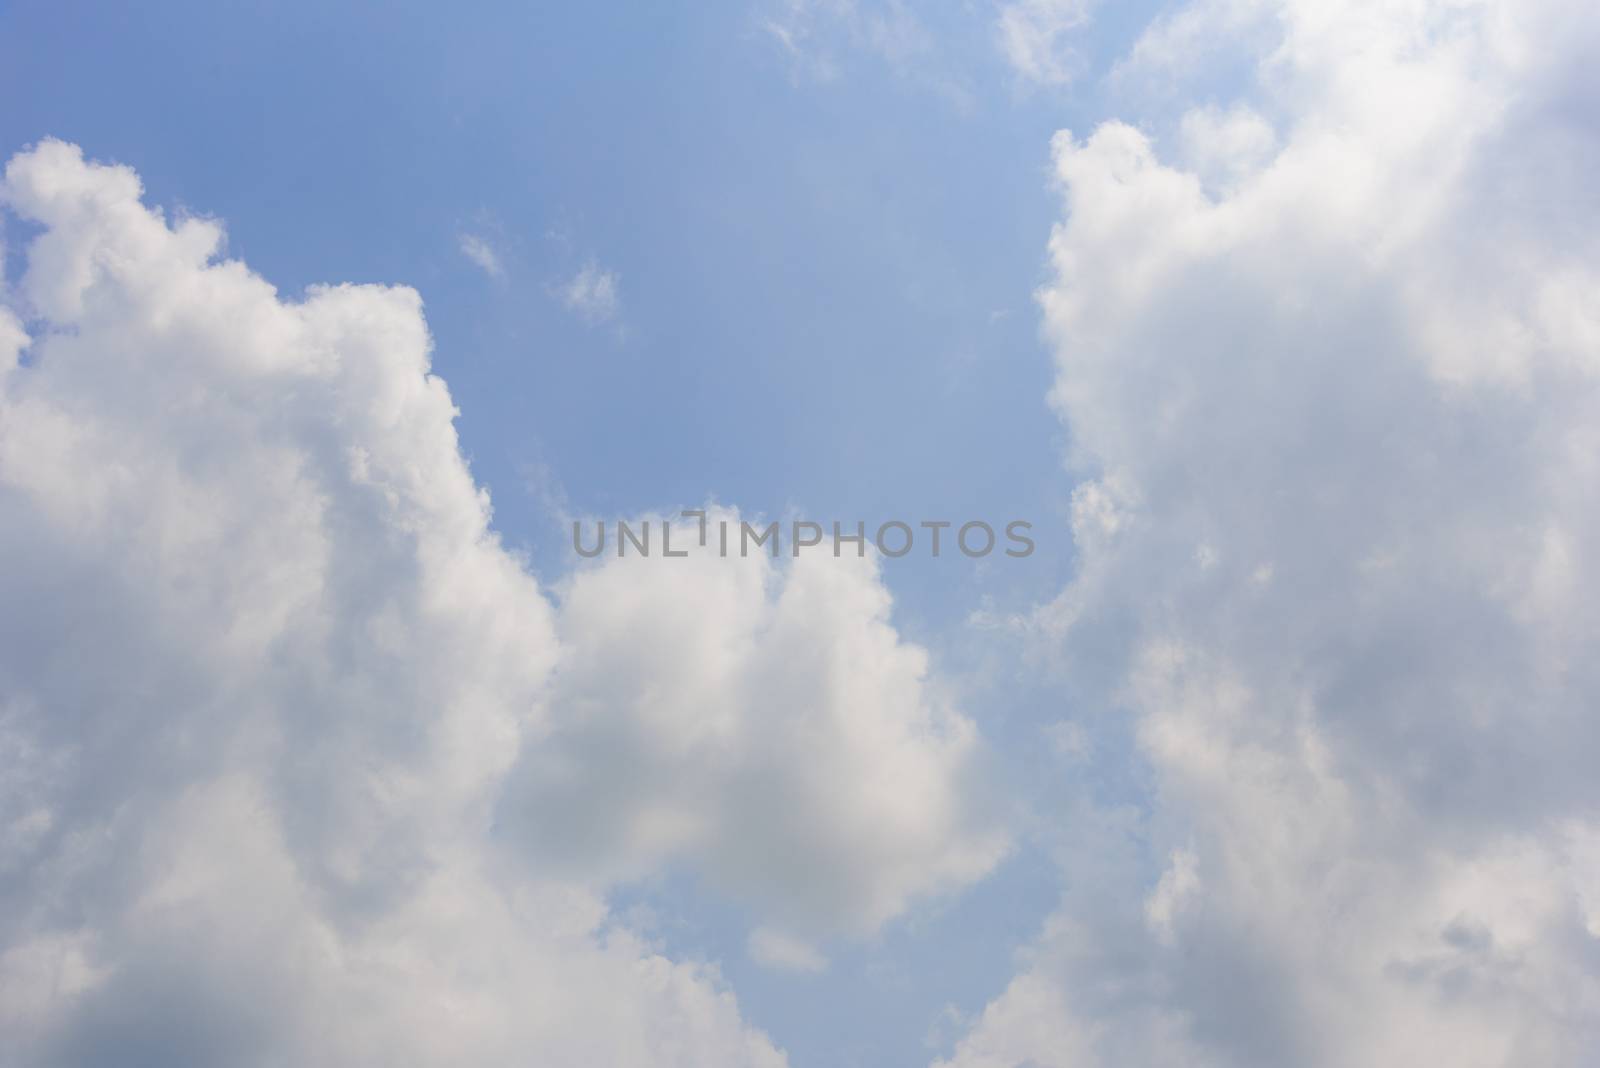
(1036, 38)
(1179, 884)
(13, 340)
(783, 952)
(1223, 147)
(479, 251)
(732, 706)
(592, 294)
(1347, 357)
(265, 669)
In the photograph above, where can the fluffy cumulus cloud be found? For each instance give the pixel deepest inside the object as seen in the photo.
(1328, 360)
(268, 680)
(737, 707)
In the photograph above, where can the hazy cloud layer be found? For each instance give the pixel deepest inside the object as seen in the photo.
(1328, 359)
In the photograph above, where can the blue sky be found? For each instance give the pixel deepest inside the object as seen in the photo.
(1275, 751)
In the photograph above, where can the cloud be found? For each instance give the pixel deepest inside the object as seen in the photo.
(1330, 384)
(819, 37)
(794, 25)
(480, 252)
(13, 339)
(265, 669)
(1035, 37)
(785, 953)
(813, 32)
(592, 294)
(733, 706)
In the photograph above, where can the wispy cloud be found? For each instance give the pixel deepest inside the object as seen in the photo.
(1035, 36)
(818, 36)
(479, 251)
(592, 294)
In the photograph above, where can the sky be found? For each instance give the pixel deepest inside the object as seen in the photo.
(321, 324)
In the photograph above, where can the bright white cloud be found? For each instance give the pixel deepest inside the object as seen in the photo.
(1223, 147)
(480, 252)
(592, 294)
(265, 669)
(731, 706)
(1332, 380)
